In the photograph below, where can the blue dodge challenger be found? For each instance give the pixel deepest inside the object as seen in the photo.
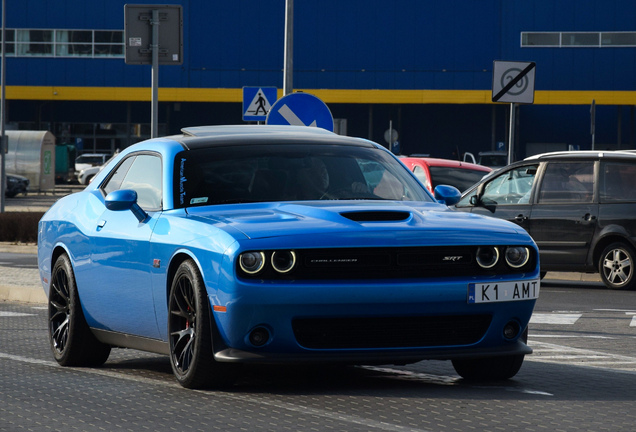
(228, 245)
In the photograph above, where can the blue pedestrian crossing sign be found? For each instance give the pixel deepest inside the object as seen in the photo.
(257, 101)
(300, 109)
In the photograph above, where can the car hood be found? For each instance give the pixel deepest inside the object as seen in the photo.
(17, 177)
(264, 220)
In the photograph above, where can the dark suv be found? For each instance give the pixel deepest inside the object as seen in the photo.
(579, 207)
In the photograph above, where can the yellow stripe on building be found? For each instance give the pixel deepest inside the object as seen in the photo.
(173, 94)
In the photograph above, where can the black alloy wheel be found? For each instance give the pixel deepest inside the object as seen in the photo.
(71, 340)
(616, 266)
(189, 333)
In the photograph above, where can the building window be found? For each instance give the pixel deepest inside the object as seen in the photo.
(618, 39)
(541, 39)
(65, 43)
(578, 39)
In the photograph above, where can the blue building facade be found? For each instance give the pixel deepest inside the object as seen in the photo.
(424, 67)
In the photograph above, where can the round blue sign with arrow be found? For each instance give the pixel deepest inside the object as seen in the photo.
(300, 109)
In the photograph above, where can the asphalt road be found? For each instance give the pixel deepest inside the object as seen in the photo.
(581, 376)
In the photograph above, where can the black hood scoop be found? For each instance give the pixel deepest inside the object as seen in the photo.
(376, 216)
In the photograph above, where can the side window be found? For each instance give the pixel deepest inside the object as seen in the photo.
(142, 174)
(568, 182)
(118, 176)
(511, 187)
(421, 176)
(618, 179)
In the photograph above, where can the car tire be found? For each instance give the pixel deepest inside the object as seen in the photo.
(72, 342)
(490, 368)
(189, 333)
(616, 266)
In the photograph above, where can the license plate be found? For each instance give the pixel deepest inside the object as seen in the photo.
(490, 292)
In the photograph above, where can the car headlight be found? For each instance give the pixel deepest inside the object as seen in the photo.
(252, 262)
(283, 261)
(517, 256)
(487, 256)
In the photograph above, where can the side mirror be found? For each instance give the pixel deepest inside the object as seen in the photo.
(475, 200)
(125, 199)
(448, 195)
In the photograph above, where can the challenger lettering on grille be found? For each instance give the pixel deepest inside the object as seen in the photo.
(333, 260)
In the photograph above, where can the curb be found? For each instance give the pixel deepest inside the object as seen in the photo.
(23, 294)
(23, 248)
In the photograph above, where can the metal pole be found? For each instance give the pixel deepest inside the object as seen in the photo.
(288, 70)
(593, 122)
(154, 125)
(3, 141)
(511, 131)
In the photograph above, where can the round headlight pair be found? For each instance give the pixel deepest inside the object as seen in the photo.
(253, 262)
(516, 256)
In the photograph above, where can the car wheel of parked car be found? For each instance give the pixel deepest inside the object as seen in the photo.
(72, 342)
(491, 368)
(616, 266)
(189, 330)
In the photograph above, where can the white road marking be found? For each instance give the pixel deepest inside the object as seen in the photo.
(446, 380)
(562, 336)
(627, 311)
(552, 353)
(14, 314)
(555, 318)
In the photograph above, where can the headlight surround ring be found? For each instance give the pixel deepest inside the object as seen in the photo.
(283, 261)
(517, 256)
(487, 256)
(252, 262)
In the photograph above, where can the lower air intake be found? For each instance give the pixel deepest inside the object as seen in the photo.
(390, 332)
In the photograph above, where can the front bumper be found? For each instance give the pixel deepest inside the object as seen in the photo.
(371, 323)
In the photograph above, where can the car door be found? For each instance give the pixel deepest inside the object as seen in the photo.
(565, 214)
(120, 252)
(505, 196)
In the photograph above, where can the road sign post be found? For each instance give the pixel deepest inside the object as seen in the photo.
(513, 82)
(145, 44)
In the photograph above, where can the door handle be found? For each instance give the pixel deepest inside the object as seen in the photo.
(520, 218)
(589, 217)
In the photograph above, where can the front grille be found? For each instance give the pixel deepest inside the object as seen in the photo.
(389, 262)
(390, 332)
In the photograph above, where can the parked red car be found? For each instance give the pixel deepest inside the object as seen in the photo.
(432, 172)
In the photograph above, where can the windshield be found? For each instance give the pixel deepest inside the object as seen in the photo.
(287, 172)
(461, 178)
(93, 159)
